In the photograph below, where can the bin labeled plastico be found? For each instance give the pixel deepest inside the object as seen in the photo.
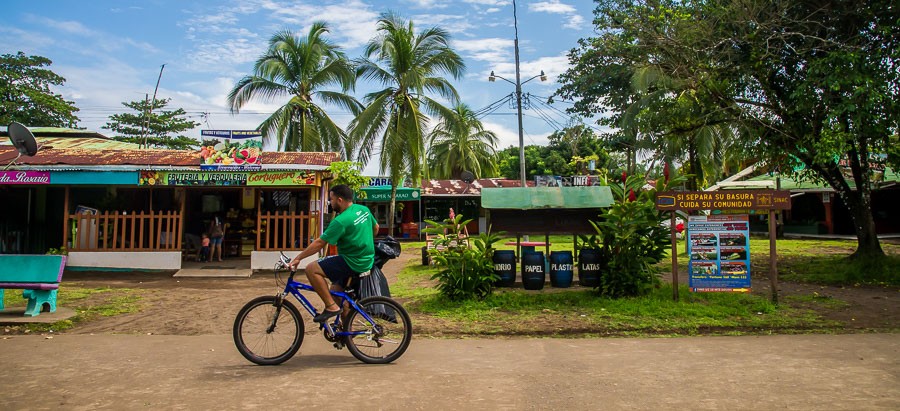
(561, 269)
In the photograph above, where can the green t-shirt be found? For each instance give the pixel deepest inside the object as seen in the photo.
(351, 232)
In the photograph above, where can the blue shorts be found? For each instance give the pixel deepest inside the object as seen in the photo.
(336, 269)
(214, 241)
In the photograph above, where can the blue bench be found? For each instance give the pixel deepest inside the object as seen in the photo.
(37, 275)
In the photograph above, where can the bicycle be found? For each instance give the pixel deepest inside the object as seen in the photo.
(269, 330)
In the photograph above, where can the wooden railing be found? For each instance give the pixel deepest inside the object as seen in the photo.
(283, 231)
(141, 231)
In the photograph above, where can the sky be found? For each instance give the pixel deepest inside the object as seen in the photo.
(110, 52)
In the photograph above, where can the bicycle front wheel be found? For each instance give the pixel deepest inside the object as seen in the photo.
(385, 340)
(266, 332)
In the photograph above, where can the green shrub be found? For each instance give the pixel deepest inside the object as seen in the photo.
(631, 238)
(466, 265)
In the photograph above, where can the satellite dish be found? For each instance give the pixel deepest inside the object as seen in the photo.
(22, 138)
(467, 177)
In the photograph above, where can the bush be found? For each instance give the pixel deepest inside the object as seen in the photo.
(467, 270)
(632, 238)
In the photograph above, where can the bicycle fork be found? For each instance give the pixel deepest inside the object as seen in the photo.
(279, 299)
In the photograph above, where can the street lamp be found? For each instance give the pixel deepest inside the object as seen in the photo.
(518, 83)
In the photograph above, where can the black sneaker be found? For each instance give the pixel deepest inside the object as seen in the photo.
(325, 315)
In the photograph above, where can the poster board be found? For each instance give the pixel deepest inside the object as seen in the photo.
(719, 253)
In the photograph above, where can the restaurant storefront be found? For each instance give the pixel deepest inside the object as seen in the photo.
(146, 209)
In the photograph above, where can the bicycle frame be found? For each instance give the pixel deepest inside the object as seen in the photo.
(294, 287)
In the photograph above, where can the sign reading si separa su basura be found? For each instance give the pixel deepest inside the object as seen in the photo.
(724, 200)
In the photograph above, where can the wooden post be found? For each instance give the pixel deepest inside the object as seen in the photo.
(773, 256)
(547, 244)
(66, 220)
(674, 258)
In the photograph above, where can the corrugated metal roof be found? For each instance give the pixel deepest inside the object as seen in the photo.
(88, 143)
(150, 157)
(459, 187)
(59, 131)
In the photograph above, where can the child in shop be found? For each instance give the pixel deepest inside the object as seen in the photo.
(204, 248)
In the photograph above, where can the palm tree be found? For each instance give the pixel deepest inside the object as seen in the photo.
(299, 68)
(408, 65)
(460, 143)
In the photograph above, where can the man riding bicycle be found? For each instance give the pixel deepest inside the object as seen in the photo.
(353, 232)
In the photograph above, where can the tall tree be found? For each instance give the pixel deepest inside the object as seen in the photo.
(409, 65)
(300, 69)
(25, 94)
(460, 143)
(153, 126)
(815, 82)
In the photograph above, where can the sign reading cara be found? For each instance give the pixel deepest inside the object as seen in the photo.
(24, 177)
(724, 200)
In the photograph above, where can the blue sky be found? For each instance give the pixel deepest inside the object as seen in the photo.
(111, 51)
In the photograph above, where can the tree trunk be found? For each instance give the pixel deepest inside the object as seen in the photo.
(859, 204)
(390, 219)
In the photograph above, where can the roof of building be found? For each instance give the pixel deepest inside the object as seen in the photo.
(461, 188)
(880, 178)
(51, 157)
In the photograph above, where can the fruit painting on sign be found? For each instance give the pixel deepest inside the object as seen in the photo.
(151, 178)
(227, 153)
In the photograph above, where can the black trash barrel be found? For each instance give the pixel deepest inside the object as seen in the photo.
(561, 269)
(505, 267)
(533, 275)
(589, 267)
(426, 258)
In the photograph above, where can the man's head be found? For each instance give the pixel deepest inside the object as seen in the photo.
(341, 197)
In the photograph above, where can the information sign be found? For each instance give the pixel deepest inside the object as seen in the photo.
(719, 253)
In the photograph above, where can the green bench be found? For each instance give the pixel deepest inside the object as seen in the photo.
(37, 275)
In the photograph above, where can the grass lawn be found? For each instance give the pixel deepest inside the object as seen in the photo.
(579, 311)
(88, 303)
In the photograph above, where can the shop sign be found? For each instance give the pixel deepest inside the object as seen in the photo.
(283, 178)
(24, 177)
(567, 181)
(380, 194)
(724, 200)
(719, 251)
(235, 150)
(192, 179)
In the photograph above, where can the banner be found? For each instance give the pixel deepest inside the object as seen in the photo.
(236, 150)
(719, 250)
(282, 178)
(24, 177)
(724, 200)
(172, 178)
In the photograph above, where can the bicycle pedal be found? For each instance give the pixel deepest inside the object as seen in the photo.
(339, 345)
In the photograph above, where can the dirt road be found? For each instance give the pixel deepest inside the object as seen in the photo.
(87, 372)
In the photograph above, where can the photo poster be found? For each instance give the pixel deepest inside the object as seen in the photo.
(235, 150)
(719, 253)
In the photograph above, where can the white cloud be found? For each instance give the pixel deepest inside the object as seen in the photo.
(455, 24)
(575, 22)
(505, 136)
(489, 2)
(573, 19)
(429, 4)
(353, 23)
(552, 66)
(491, 50)
(552, 6)
(102, 41)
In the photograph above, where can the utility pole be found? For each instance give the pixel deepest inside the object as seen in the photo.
(519, 101)
(150, 107)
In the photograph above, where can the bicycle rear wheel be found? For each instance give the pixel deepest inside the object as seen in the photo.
(384, 341)
(261, 338)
